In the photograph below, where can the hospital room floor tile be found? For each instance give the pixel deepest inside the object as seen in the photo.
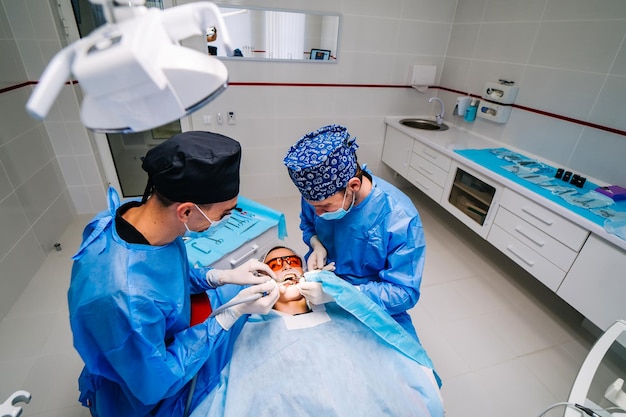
(502, 343)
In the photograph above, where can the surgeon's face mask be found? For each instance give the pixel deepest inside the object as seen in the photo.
(339, 214)
(208, 232)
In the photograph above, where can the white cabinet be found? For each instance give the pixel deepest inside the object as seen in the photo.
(428, 170)
(538, 240)
(423, 166)
(596, 284)
(397, 150)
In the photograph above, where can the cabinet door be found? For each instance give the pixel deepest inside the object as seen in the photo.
(397, 150)
(596, 284)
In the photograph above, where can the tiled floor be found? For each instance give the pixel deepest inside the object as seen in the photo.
(502, 343)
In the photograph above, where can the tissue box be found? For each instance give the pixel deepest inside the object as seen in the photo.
(616, 192)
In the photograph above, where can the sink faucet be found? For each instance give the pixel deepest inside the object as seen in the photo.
(439, 117)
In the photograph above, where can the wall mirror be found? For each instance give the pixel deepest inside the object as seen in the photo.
(274, 34)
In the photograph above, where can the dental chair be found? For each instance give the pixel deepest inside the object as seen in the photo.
(582, 383)
(9, 408)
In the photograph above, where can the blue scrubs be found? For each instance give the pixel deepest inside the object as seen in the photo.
(378, 245)
(129, 308)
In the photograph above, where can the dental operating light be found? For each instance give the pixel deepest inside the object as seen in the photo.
(134, 73)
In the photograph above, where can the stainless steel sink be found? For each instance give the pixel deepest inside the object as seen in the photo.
(424, 124)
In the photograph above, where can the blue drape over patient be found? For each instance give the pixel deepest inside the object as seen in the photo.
(361, 362)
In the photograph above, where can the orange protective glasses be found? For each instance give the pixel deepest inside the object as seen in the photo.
(276, 264)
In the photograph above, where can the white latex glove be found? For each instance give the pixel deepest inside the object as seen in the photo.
(246, 274)
(313, 292)
(260, 306)
(329, 267)
(317, 259)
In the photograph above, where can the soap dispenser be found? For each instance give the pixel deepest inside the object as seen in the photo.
(470, 113)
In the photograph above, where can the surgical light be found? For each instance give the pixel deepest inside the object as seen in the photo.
(133, 71)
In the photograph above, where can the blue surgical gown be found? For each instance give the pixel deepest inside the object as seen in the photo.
(129, 308)
(378, 245)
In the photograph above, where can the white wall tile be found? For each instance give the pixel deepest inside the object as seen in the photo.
(15, 121)
(412, 37)
(42, 18)
(19, 19)
(381, 34)
(53, 222)
(575, 45)
(31, 57)
(507, 42)
(549, 138)
(25, 156)
(429, 10)
(18, 267)
(40, 191)
(71, 172)
(512, 10)
(11, 68)
(390, 8)
(463, 40)
(607, 111)
(601, 154)
(13, 223)
(572, 92)
(583, 9)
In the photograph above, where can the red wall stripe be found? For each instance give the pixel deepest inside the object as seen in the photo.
(265, 84)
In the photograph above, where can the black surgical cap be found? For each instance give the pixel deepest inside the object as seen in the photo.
(198, 167)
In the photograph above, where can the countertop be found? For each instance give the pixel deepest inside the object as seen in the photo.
(457, 138)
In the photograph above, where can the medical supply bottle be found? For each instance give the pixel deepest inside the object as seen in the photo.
(470, 112)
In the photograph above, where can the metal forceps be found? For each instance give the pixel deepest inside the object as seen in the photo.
(216, 241)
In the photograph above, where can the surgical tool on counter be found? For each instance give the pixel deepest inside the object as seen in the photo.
(233, 303)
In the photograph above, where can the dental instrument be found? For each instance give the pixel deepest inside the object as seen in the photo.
(233, 303)
(134, 73)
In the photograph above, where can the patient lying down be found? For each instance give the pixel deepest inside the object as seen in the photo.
(343, 358)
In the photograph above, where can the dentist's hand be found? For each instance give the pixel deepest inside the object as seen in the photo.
(246, 274)
(260, 306)
(317, 259)
(313, 292)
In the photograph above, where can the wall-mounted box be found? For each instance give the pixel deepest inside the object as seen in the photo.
(496, 113)
(500, 93)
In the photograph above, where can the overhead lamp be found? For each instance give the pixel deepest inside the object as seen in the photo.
(133, 71)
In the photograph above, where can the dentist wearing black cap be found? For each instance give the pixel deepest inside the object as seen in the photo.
(129, 297)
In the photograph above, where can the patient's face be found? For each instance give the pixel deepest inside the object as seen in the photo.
(286, 269)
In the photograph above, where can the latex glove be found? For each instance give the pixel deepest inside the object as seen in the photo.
(246, 274)
(317, 258)
(313, 292)
(329, 267)
(260, 306)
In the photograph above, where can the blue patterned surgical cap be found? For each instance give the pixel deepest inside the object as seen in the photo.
(322, 162)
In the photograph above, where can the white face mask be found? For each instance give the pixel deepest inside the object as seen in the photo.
(338, 214)
(209, 231)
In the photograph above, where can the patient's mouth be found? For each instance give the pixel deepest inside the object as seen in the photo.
(290, 278)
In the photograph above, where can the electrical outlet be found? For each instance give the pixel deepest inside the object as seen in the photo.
(206, 119)
(231, 118)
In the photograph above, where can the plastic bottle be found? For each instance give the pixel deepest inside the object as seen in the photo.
(470, 113)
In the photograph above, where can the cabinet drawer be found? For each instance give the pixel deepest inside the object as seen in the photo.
(429, 170)
(431, 155)
(254, 248)
(531, 261)
(429, 188)
(542, 243)
(544, 219)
